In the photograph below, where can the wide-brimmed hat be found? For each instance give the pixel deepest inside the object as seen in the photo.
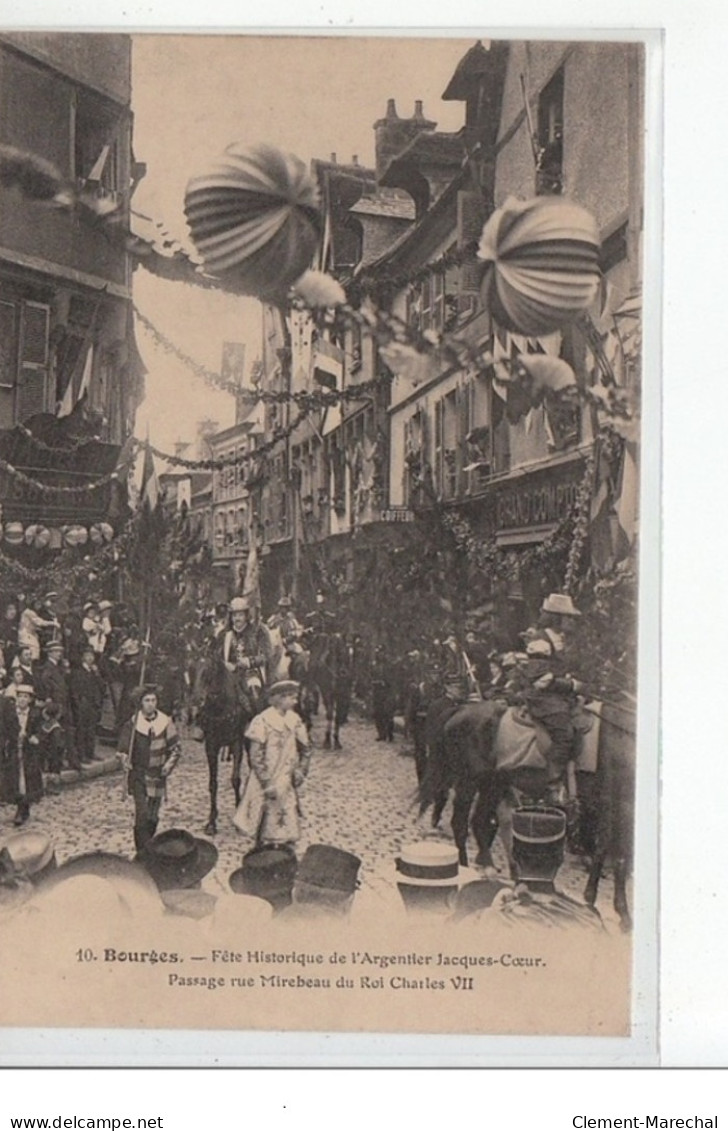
(15, 888)
(539, 648)
(32, 854)
(24, 688)
(326, 867)
(177, 859)
(239, 605)
(431, 864)
(284, 687)
(267, 872)
(539, 837)
(132, 884)
(105, 605)
(560, 603)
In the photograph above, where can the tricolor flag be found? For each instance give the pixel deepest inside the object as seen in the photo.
(73, 396)
(149, 489)
(251, 582)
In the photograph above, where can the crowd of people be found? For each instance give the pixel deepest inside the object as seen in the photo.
(59, 667)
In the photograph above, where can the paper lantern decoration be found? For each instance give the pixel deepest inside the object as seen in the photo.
(37, 536)
(76, 536)
(14, 533)
(255, 216)
(542, 260)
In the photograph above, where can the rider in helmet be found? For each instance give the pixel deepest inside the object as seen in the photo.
(246, 647)
(286, 622)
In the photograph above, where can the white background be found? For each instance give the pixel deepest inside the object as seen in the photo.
(694, 805)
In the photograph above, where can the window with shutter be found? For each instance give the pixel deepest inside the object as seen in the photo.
(471, 217)
(8, 345)
(33, 391)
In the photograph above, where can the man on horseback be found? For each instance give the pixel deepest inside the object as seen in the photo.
(548, 693)
(287, 624)
(246, 648)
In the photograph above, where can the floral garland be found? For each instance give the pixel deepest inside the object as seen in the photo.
(48, 490)
(61, 572)
(56, 449)
(582, 507)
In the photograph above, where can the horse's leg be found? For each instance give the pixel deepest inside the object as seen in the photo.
(237, 748)
(485, 823)
(329, 709)
(340, 709)
(211, 750)
(595, 872)
(621, 870)
(462, 804)
(438, 808)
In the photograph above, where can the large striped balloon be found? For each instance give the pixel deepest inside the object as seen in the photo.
(255, 217)
(542, 259)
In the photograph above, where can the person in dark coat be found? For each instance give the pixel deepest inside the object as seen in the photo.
(87, 697)
(21, 779)
(50, 740)
(51, 682)
(383, 696)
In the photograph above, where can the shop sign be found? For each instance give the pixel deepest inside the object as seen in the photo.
(541, 502)
(398, 514)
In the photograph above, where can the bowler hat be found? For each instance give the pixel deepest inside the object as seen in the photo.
(267, 872)
(324, 866)
(177, 859)
(539, 835)
(560, 603)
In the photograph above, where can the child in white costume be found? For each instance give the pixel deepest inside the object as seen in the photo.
(280, 752)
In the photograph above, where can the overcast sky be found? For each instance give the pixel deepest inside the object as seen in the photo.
(192, 96)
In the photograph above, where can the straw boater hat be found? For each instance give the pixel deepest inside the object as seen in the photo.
(284, 687)
(560, 603)
(428, 875)
(24, 689)
(431, 864)
(32, 854)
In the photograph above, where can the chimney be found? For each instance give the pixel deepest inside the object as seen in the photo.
(392, 134)
(333, 158)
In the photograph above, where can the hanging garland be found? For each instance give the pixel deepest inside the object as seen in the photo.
(64, 449)
(46, 490)
(62, 571)
(232, 461)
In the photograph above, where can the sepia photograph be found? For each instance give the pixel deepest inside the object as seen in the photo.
(321, 372)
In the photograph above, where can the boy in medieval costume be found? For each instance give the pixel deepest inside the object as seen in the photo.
(280, 752)
(149, 749)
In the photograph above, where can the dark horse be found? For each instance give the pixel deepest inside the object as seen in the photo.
(462, 758)
(330, 670)
(226, 710)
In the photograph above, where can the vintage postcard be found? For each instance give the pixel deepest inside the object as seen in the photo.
(321, 409)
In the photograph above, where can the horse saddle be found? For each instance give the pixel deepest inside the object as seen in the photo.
(520, 742)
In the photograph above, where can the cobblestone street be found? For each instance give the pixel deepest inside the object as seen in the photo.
(361, 799)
